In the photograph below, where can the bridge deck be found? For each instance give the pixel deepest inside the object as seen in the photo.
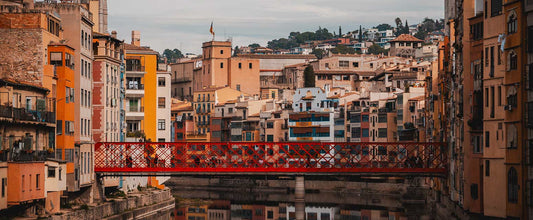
(260, 158)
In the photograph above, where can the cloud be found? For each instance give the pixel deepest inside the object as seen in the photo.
(184, 24)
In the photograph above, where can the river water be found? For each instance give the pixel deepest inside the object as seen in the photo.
(259, 202)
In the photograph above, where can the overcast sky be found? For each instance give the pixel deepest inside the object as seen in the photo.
(184, 24)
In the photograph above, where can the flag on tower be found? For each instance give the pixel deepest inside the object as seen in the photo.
(211, 30)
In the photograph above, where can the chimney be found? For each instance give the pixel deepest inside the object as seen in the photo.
(136, 38)
(114, 34)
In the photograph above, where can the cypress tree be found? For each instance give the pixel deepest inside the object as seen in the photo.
(309, 77)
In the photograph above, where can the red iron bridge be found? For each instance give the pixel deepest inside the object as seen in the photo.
(265, 158)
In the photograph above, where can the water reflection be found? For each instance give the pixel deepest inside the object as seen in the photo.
(235, 204)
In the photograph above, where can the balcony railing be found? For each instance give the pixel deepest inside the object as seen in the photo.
(23, 114)
(134, 68)
(136, 109)
(25, 155)
(134, 86)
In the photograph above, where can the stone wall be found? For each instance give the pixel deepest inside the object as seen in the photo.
(135, 206)
(21, 52)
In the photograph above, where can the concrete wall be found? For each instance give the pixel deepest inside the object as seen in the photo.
(164, 113)
(137, 206)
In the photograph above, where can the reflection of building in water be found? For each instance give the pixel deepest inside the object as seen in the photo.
(224, 210)
(219, 210)
(195, 212)
(370, 214)
(314, 213)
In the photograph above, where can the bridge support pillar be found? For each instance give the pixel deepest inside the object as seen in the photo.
(299, 192)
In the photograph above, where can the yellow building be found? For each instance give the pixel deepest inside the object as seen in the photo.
(141, 90)
(204, 102)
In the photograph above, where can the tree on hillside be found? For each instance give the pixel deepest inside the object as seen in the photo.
(398, 22)
(236, 51)
(383, 27)
(172, 55)
(309, 77)
(376, 49)
(319, 53)
(343, 49)
(254, 45)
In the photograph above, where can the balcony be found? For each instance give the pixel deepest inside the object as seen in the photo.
(182, 80)
(22, 155)
(22, 114)
(135, 113)
(134, 89)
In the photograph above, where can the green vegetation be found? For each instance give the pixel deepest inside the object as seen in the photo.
(254, 45)
(297, 38)
(376, 49)
(383, 27)
(172, 55)
(309, 77)
(343, 49)
(319, 53)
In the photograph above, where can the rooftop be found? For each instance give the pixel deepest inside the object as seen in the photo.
(406, 37)
(277, 56)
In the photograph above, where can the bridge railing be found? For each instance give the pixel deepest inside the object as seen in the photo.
(250, 157)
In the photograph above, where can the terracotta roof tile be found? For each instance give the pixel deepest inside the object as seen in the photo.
(406, 37)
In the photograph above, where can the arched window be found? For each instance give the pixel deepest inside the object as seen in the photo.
(513, 61)
(512, 185)
(512, 23)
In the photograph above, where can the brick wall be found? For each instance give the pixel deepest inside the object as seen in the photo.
(21, 55)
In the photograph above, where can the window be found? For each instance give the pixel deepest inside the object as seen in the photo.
(161, 102)
(59, 127)
(382, 132)
(4, 184)
(382, 118)
(344, 63)
(365, 132)
(161, 124)
(487, 139)
(161, 81)
(238, 87)
(487, 56)
(487, 167)
(56, 59)
(486, 97)
(355, 64)
(499, 95)
(477, 31)
(496, 7)
(474, 191)
(240, 65)
(513, 61)
(270, 138)
(23, 183)
(71, 94)
(37, 176)
(512, 23)
(270, 124)
(512, 185)
(221, 65)
(51, 172)
(250, 65)
(491, 73)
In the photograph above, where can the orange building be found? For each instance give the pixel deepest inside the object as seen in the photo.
(219, 69)
(61, 57)
(25, 182)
